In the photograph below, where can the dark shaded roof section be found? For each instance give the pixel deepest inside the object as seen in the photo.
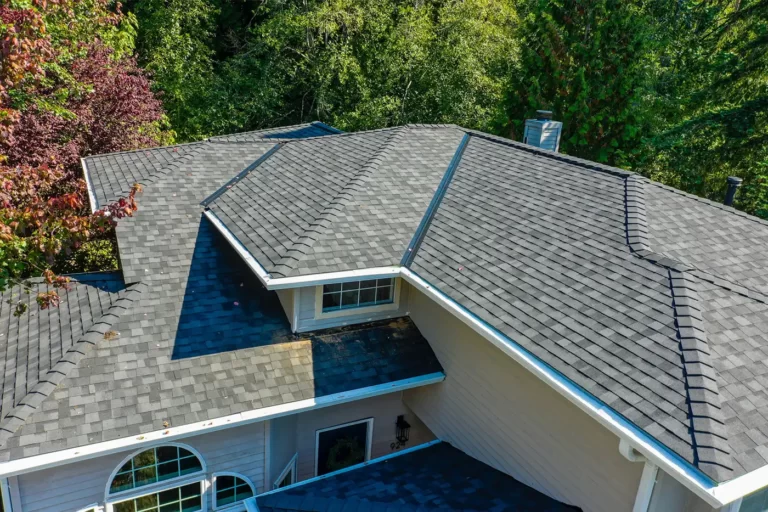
(204, 339)
(333, 204)
(42, 347)
(439, 477)
(112, 175)
(299, 131)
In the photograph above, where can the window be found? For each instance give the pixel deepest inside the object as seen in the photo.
(229, 489)
(343, 446)
(155, 465)
(357, 294)
(755, 502)
(186, 498)
(288, 476)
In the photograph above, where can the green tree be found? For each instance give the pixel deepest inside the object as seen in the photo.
(587, 61)
(714, 94)
(367, 63)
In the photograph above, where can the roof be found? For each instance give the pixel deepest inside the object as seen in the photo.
(625, 287)
(594, 270)
(202, 338)
(439, 477)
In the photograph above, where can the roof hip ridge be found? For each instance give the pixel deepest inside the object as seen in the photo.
(34, 398)
(242, 174)
(343, 198)
(437, 199)
(709, 436)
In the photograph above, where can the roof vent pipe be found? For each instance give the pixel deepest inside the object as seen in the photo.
(733, 184)
(543, 132)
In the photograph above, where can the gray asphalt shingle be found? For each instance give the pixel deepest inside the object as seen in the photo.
(650, 299)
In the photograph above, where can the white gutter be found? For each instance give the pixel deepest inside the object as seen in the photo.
(652, 449)
(91, 191)
(280, 283)
(658, 454)
(38, 462)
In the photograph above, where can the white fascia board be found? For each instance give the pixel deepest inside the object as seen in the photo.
(254, 265)
(89, 185)
(742, 486)
(333, 277)
(157, 437)
(653, 450)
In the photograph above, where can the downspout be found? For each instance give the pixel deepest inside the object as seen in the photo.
(647, 480)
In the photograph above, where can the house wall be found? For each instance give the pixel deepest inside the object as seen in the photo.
(73, 486)
(307, 305)
(282, 442)
(495, 410)
(669, 494)
(383, 409)
(286, 300)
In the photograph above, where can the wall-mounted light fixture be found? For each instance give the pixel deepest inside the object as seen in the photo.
(402, 432)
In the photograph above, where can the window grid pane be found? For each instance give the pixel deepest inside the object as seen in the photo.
(154, 465)
(371, 292)
(186, 498)
(231, 489)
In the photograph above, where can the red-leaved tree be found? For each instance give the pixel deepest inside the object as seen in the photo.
(62, 98)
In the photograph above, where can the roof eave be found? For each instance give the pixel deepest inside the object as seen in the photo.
(92, 201)
(39, 462)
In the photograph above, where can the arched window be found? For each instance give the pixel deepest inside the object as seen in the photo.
(163, 479)
(230, 488)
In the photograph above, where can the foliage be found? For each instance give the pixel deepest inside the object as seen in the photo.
(714, 94)
(68, 88)
(353, 63)
(587, 62)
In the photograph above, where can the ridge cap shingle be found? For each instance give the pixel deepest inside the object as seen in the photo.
(336, 206)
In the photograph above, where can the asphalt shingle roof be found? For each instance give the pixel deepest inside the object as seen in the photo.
(650, 299)
(202, 338)
(439, 477)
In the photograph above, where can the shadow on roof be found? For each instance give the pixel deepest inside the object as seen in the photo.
(225, 306)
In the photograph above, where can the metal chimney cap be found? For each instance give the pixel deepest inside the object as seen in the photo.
(735, 181)
(544, 114)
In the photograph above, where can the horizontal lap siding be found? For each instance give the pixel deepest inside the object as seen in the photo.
(73, 486)
(307, 321)
(383, 409)
(496, 411)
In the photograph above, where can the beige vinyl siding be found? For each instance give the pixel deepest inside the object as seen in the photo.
(496, 411)
(384, 411)
(308, 322)
(73, 486)
(286, 300)
(282, 445)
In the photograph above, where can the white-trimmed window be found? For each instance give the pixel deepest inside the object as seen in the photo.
(357, 297)
(342, 446)
(168, 478)
(230, 489)
(288, 476)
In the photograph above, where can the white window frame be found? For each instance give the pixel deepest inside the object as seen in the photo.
(376, 308)
(291, 466)
(368, 439)
(238, 505)
(93, 506)
(118, 497)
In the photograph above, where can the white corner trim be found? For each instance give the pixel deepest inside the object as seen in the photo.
(5, 489)
(350, 468)
(652, 449)
(89, 185)
(160, 437)
(296, 298)
(645, 489)
(267, 455)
